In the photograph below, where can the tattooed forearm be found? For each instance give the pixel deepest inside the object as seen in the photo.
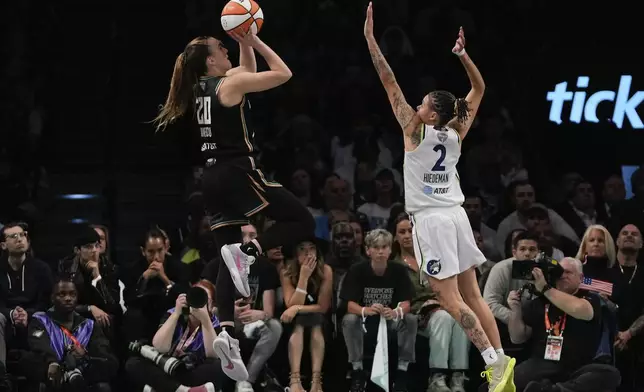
(380, 63)
(637, 326)
(403, 112)
(473, 329)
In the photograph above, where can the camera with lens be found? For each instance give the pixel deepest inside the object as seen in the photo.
(168, 363)
(72, 370)
(552, 271)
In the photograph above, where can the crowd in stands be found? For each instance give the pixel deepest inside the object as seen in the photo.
(367, 268)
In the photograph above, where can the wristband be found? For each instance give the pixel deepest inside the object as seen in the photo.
(364, 318)
(461, 53)
(299, 290)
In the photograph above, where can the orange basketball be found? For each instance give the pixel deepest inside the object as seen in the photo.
(242, 16)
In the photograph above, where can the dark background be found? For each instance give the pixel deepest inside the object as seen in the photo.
(99, 70)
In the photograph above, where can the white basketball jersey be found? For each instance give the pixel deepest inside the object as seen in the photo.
(431, 179)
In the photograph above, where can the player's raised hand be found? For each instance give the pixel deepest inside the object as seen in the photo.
(244, 39)
(368, 23)
(459, 46)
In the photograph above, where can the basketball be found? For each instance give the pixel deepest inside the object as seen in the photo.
(242, 16)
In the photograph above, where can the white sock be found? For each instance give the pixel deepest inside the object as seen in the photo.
(500, 352)
(403, 365)
(356, 365)
(489, 356)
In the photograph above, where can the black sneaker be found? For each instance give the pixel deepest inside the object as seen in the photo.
(400, 382)
(358, 381)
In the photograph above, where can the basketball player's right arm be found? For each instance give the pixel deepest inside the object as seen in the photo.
(405, 114)
(234, 88)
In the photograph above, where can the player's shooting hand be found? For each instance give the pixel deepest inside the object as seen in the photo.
(244, 39)
(368, 23)
(460, 42)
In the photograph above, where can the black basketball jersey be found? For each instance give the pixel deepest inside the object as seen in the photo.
(223, 132)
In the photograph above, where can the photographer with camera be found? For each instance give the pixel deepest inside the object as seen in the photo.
(182, 358)
(69, 351)
(525, 248)
(565, 324)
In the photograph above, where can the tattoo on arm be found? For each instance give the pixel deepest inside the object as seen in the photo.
(637, 326)
(415, 137)
(404, 113)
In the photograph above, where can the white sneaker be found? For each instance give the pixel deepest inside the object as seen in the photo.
(251, 328)
(244, 386)
(238, 264)
(227, 349)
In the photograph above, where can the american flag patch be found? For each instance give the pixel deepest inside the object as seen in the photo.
(597, 286)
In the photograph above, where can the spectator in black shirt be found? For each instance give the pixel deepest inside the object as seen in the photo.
(150, 288)
(254, 316)
(63, 341)
(565, 325)
(25, 287)
(95, 279)
(378, 288)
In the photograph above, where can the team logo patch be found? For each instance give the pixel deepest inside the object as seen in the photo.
(442, 136)
(433, 267)
(38, 333)
(428, 190)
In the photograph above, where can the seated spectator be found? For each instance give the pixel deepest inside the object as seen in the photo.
(523, 198)
(378, 287)
(189, 339)
(555, 246)
(64, 341)
(568, 364)
(597, 253)
(308, 284)
(342, 255)
(473, 206)
(150, 288)
(387, 193)
(95, 279)
(579, 208)
(26, 289)
(499, 283)
(448, 343)
(629, 295)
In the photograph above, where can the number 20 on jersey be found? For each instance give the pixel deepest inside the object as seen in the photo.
(203, 111)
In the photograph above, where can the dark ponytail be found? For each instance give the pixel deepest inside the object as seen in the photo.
(461, 110)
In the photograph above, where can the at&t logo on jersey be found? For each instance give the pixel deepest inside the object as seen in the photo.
(625, 104)
(428, 190)
(208, 146)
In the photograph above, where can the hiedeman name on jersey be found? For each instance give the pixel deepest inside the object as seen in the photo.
(436, 178)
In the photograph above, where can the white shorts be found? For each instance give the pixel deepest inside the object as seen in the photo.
(444, 243)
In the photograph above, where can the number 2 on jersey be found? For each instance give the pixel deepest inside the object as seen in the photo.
(438, 166)
(203, 111)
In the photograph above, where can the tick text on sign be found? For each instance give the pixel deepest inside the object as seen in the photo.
(584, 104)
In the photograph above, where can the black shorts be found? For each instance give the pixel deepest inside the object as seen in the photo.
(235, 190)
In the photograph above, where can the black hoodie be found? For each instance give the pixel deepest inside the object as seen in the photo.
(29, 287)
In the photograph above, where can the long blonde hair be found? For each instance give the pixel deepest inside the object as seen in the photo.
(189, 66)
(608, 241)
(292, 271)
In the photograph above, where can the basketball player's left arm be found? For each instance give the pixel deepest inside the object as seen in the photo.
(475, 95)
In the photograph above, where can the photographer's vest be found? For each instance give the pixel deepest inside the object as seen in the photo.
(61, 338)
